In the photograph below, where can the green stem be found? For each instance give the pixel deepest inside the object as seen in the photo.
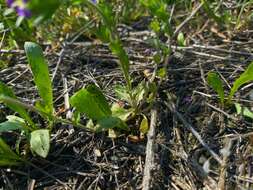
(34, 109)
(121, 53)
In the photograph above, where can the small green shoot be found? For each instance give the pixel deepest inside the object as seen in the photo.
(243, 111)
(244, 78)
(181, 39)
(215, 82)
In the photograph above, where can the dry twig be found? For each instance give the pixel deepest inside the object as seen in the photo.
(149, 161)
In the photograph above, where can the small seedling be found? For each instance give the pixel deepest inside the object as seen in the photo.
(215, 82)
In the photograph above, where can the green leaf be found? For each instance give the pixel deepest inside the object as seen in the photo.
(157, 58)
(12, 124)
(43, 10)
(105, 10)
(120, 112)
(155, 26)
(92, 102)
(139, 92)
(40, 142)
(7, 156)
(13, 118)
(103, 33)
(162, 73)
(40, 72)
(111, 123)
(9, 126)
(8, 162)
(122, 93)
(159, 9)
(5, 91)
(244, 111)
(144, 127)
(181, 40)
(245, 77)
(117, 48)
(215, 82)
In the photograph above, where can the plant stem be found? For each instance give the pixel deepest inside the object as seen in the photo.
(34, 109)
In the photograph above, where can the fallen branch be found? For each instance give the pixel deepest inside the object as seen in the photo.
(149, 161)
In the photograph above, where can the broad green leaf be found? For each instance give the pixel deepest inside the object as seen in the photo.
(120, 112)
(245, 77)
(139, 92)
(244, 111)
(5, 91)
(111, 123)
(92, 102)
(215, 82)
(40, 72)
(9, 126)
(144, 127)
(12, 124)
(40, 142)
(7, 156)
(122, 93)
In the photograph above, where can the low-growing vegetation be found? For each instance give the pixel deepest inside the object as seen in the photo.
(146, 94)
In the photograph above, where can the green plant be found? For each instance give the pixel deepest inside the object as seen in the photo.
(134, 96)
(244, 111)
(215, 82)
(160, 25)
(90, 101)
(39, 139)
